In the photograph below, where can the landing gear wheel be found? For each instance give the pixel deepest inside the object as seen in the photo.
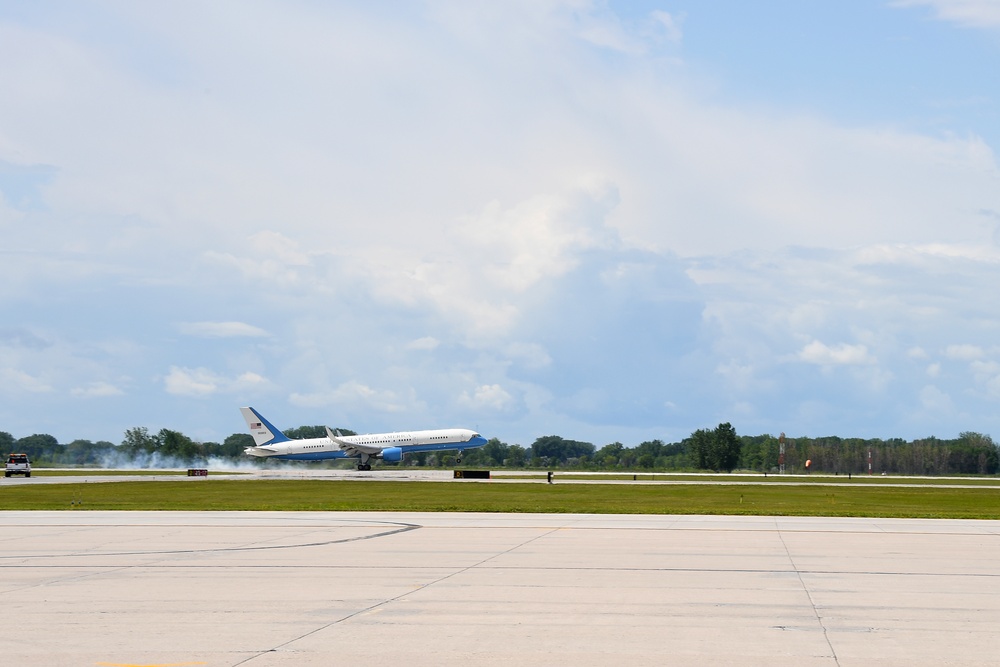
(364, 466)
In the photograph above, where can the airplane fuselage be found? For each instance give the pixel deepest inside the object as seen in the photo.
(269, 442)
(393, 445)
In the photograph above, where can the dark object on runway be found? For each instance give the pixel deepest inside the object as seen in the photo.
(472, 474)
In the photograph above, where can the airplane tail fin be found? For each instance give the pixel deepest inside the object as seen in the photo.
(263, 431)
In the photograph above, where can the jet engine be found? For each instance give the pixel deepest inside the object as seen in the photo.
(392, 454)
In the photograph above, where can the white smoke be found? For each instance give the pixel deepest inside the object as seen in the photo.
(118, 460)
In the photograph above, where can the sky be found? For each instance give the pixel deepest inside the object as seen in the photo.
(609, 221)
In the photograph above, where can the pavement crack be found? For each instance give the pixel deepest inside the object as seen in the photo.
(404, 527)
(812, 602)
(389, 601)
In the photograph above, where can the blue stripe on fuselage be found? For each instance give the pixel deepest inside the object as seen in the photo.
(311, 456)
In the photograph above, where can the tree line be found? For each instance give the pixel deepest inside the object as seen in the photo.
(718, 449)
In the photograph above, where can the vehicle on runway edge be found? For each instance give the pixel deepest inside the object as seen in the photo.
(17, 464)
(269, 442)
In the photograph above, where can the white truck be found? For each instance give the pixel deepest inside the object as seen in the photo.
(17, 464)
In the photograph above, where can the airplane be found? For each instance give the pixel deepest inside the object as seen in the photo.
(269, 442)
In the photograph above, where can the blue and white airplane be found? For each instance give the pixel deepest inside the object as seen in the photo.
(269, 442)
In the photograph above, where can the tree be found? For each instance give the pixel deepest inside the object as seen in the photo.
(306, 432)
(233, 446)
(984, 450)
(648, 451)
(138, 441)
(6, 442)
(301, 432)
(555, 449)
(516, 456)
(39, 447)
(85, 452)
(726, 447)
(609, 456)
(176, 444)
(494, 452)
(700, 445)
(716, 450)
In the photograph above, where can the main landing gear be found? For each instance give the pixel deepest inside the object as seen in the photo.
(364, 466)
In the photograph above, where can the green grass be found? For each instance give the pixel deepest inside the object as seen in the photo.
(919, 501)
(758, 478)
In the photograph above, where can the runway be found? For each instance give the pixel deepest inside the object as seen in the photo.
(275, 589)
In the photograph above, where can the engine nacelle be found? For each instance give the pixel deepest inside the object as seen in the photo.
(392, 454)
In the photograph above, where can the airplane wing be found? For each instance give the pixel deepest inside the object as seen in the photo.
(349, 447)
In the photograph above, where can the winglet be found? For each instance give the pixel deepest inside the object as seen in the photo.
(352, 448)
(335, 437)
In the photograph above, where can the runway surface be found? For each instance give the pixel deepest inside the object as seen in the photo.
(279, 589)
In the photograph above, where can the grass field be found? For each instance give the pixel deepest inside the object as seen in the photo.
(310, 495)
(757, 478)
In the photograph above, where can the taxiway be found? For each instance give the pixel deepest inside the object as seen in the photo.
(279, 589)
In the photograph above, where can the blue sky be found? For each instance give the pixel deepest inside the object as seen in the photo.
(607, 221)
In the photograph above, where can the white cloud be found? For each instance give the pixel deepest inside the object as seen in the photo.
(610, 34)
(843, 354)
(204, 382)
(261, 268)
(543, 237)
(97, 390)
(14, 381)
(425, 343)
(737, 375)
(605, 30)
(22, 338)
(935, 400)
(987, 375)
(281, 247)
(967, 13)
(964, 352)
(221, 329)
(530, 355)
(491, 397)
(353, 395)
(191, 382)
(670, 23)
